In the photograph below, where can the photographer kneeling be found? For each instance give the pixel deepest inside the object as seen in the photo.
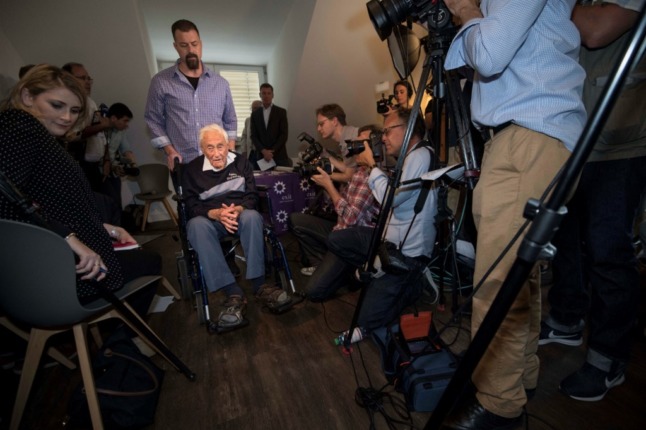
(354, 206)
(413, 235)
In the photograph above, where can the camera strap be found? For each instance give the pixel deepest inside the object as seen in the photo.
(423, 194)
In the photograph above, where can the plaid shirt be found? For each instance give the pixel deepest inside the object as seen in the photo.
(357, 206)
(175, 111)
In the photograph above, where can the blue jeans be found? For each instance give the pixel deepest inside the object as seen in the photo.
(594, 248)
(205, 234)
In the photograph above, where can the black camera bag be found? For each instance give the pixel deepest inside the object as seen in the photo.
(421, 377)
(128, 385)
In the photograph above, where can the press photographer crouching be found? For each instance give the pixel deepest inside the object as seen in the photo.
(354, 206)
(411, 234)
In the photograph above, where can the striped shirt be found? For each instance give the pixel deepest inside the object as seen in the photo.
(525, 57)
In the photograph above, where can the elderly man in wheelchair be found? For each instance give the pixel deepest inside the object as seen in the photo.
(221, 199)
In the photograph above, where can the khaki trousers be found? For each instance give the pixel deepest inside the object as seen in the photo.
(518, 164)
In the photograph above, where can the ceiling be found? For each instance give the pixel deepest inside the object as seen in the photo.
(232, 31)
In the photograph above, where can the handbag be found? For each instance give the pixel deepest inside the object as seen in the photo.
(128, 385)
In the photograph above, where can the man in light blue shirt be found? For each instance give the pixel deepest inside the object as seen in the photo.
(527, 99)
(186, 97)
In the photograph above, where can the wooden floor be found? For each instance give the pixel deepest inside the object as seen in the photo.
(284, 372)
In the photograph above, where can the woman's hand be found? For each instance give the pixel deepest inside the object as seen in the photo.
(90, 263)
(119, 234)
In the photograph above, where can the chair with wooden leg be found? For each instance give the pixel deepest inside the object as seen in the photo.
(153, 187)
(39, 289)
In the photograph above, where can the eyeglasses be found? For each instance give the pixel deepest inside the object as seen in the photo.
(320, 123)
(386, 130)
(84, 78)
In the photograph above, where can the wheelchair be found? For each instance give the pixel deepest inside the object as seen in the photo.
(189, 269)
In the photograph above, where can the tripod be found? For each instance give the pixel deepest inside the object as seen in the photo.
(454, 131)
(435, 54)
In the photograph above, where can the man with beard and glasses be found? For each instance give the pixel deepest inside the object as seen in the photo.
(186, 97)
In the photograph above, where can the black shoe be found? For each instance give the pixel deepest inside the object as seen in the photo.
(590, 384)
(475, 417)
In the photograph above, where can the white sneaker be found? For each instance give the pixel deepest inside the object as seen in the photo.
(308, 271)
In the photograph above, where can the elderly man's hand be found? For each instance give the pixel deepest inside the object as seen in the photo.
(227, 216)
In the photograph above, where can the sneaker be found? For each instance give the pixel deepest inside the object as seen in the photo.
(551, 335)
(590, 384)
(308, 271)
(233, 315)
(272, 295)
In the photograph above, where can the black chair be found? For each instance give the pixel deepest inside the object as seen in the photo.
(38, 281)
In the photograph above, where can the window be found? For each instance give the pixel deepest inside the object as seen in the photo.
(244, 82)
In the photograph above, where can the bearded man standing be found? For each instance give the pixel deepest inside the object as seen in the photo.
(186, 97)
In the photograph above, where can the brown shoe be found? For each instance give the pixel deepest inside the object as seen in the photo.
(272, 295)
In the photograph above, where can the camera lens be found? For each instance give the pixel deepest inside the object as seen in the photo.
(355, 147)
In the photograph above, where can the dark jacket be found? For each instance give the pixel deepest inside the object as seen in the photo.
(273, 136)
(206, 190)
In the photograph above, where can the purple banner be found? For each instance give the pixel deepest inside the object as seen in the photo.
(288, 193)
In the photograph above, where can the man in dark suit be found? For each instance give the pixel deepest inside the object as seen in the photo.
(269, 131)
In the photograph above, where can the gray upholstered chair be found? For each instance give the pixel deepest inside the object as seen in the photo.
(153, 187)
(39, 289)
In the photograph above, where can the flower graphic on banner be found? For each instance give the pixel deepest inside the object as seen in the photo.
(305, 185)
(281, 217)
(280, 187)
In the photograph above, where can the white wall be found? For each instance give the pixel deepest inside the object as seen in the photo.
(9, 66)
(342, 61)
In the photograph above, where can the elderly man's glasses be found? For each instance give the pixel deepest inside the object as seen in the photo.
(84, 78)
(386, 130)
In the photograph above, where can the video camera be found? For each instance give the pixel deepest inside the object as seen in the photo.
(309, 169)
(312, 158)
(385, 104)
(358, 146)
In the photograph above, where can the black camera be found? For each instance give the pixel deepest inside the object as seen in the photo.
(103, 109)
(386, 14)
(125, 169)
(309, 169)
(313, 151)
(358, 146)
(131, 170)
(102, 112)
(385, 104)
